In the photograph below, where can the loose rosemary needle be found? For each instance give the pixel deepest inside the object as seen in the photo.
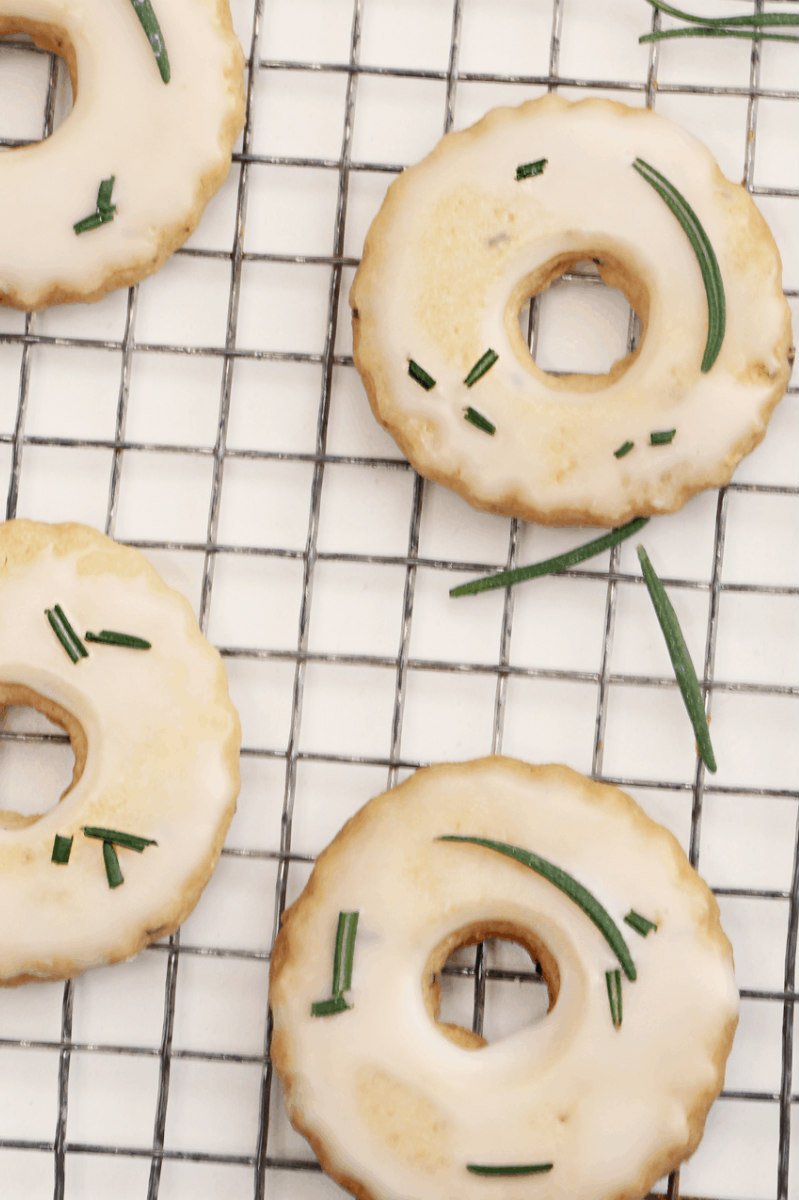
(561, 562)
(680, 659)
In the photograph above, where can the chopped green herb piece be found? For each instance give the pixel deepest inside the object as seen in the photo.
(480, 367)
(113, 870)
(346, 931)
(109, 637)
(613, 981)
(521, 1169)
(94, 221)
(149, 23)
(528, 170)
(130, 841)
(561, 562)
(640, 924)
(476, 418)
(104, 212)
(104, 191)
(420, 375)
(568, 885)
(62, 848)
(329, 1008)
(66, 635)
(623, 449)
(705, 255)
(680, 658)
(662, 437)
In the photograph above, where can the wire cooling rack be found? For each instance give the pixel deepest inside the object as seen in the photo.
(213, 418)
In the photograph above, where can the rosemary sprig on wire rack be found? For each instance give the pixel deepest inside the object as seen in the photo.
(561, 562)
(684, 671)
(755, 26)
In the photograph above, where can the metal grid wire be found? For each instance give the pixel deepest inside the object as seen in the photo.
(268, 1169)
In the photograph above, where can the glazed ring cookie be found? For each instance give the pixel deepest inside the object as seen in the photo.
(492, 216)
(158, 104)
(121, 860)
(601, 1097)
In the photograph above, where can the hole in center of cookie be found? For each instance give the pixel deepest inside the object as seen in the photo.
(493, 983)
(42, 752)
(37, 80)
(580, 320)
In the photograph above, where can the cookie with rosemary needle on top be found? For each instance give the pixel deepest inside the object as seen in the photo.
(489, 219)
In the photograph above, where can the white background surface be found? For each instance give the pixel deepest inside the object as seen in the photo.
(112, 422)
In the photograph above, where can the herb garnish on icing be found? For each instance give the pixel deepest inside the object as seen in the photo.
(110, 637)
(103, 213)
(149, 22)
(514, 1169)
(477, 419)
(61, 627)
(570, 887)
(613, 981)
(420, 375)
(483, 364)
(62, 848)
(640, 924)
(661, 437)
(529, 170)
(343, 955)
(705, 255)
(623, 449)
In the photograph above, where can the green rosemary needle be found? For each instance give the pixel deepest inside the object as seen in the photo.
(483, 364)
(110, 637)
(343, 954)
(149, 23)
(705, 255)
(104, 211)
(62, 848)
(661, 437)
(623, 449)
(613, 982)
(569, 886)
(113, 871)
(420, 375)
(702, 31)
(529, 170)
(130, 841)
(680, 659)
(755, 20)
(640, 924)
(476, 418)
(62, 628)
(561, 562)
(513, 1169)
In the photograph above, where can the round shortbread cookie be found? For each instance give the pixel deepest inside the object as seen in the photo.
(601, 1097)
(158, 104)
(490, 218)
(155, 738)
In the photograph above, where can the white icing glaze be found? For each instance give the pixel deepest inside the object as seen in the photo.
(458, 236)
(162, 757)
(167, 145)
(612, 1109)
